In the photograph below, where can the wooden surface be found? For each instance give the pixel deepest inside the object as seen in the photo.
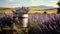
(10, 30)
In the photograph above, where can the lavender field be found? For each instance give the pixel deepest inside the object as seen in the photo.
(5, 19)
(46, 23)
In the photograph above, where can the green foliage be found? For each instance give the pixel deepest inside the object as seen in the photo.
(33, 25)
(20, 32)
(16, 28)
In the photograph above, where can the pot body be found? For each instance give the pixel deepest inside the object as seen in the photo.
(25, 20)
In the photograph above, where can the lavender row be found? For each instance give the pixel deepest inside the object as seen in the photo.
(47, 23)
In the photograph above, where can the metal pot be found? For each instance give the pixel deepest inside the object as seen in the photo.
(25, 20)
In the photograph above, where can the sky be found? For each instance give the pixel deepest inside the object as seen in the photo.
(27, 3)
